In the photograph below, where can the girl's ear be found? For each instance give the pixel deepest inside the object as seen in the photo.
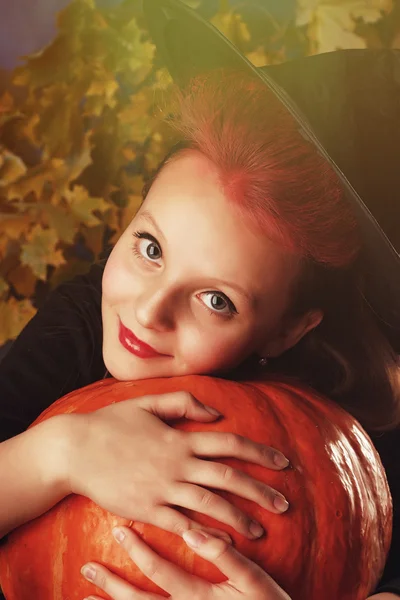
(292, 332)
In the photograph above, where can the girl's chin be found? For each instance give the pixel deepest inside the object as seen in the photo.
(135, 368)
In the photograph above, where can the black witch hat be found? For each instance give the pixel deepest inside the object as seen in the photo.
(347, 103)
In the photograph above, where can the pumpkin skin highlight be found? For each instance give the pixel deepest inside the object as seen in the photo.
(332, 543)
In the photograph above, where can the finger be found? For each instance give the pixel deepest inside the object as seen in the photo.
(174, 521)
(212, 443)
(163, 573)
(242, 574)
(177, 405)
(208, 503)
(113, 585)
(224, 477)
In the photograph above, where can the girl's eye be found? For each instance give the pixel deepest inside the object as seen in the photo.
(145, 250)
(220, 304)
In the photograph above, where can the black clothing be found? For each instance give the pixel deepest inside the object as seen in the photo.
(60, 350)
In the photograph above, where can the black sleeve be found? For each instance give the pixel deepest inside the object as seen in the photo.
(388, 446)
(58, 351)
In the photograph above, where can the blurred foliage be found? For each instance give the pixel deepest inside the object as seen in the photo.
(79, 131)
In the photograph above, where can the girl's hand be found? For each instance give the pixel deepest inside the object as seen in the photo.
(245, 579)
(131, 463)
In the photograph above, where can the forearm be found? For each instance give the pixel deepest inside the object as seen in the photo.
(33, 472)
(384, 596)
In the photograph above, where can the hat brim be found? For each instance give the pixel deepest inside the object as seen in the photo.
(190, 45)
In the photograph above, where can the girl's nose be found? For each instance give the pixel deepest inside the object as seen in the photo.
(155, 309)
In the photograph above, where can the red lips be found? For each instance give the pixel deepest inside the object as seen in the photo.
(135, 346)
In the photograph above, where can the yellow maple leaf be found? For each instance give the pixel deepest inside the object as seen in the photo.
(11, 167)
(162, 79)
(61, 221)
(14, 315)
(231, 24)
(258, 57)
(83, 206)
(15, 225)
(137, 54)
(104, 87)
(331, 23)
(71, 168)
(33, 181)
(134, 120)
(39, 251)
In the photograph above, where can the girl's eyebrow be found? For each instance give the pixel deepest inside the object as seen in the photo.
(248, 295)
(148, 217)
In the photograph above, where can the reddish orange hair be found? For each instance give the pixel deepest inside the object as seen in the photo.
(274, 176)
(282, 186)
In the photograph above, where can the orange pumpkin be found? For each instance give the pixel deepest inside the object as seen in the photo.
(332, 543)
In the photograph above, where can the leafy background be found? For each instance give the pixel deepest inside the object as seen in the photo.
(79, 126)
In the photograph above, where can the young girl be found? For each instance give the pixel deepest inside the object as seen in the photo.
(245, 255)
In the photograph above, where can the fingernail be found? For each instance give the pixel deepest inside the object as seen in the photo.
(212, 411)
(194, 538)
(281, 503)
(256, 529)
(89, 572)
(280, 460)
(119, 534)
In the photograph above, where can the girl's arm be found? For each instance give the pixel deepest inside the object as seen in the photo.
(33, 472)
(384, 596)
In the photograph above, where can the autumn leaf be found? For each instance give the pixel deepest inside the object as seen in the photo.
(83, 206)
(14, 315)
(135, 121)
(6, 102)
(258, 57)
(332, 23)
(94, 237)
(11, 168)
(15, 225)
(130, 211)
(61, 126)
(4, 287)
(61, 221)
(137, 54)
(33, 181)
(40, 251)
(23, 280)
(71, 168)
(231, 24)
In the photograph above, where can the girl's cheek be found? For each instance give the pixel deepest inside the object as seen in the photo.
(118, 279)
(208, 352)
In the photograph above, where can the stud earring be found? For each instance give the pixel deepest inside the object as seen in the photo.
(263, 361)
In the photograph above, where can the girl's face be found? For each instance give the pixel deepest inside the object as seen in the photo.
(189, 279)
